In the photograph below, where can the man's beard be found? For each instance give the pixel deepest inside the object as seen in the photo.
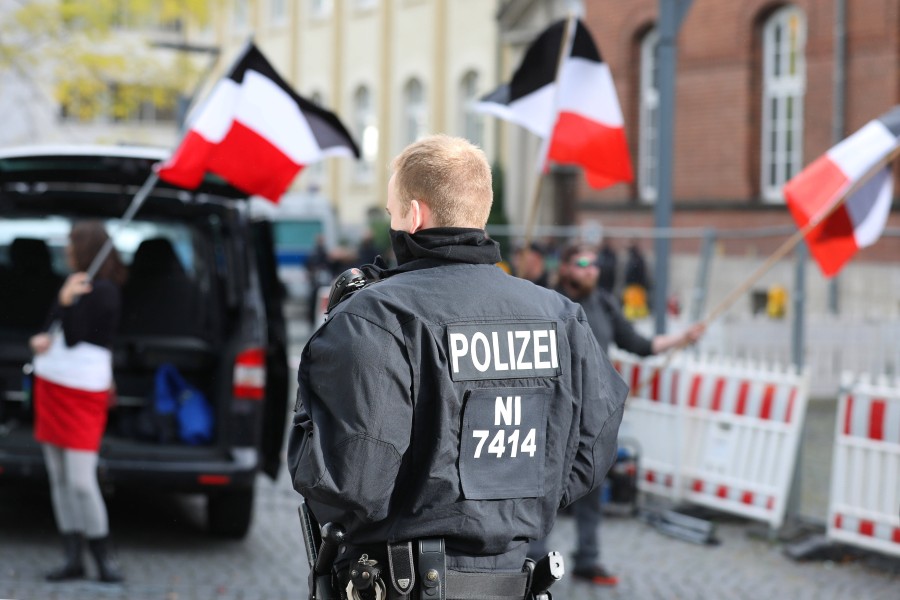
(580, 287)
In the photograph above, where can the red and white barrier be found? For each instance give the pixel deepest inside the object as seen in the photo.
(743, 426)
(653, 418)
(715, 433)
(864, 508)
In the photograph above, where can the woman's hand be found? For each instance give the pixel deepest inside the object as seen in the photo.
(39, 343)
(77, 284)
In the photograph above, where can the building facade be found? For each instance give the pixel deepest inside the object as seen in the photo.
(392, 70)
(762, 89)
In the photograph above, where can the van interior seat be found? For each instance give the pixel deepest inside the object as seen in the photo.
(159, 298)
(29, 286)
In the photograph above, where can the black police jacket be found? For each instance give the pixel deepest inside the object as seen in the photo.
(451, 399)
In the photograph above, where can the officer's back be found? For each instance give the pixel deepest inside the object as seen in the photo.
(449, 400)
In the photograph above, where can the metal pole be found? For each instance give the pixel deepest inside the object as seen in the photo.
(671, 14)
(702, 285)
(797, 351)
(837, 117)
(801, 254)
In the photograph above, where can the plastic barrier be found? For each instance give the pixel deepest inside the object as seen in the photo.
(652, 417)
(864, 508)
(714, 433)
(743, 426)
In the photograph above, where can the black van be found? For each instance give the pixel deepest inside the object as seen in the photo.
(202, 297)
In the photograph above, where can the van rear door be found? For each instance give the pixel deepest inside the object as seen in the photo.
(276, 392)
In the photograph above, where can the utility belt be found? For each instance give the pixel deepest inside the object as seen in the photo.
(416, 570)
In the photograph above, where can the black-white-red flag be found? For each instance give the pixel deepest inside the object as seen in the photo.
(860, 219)
(255, 132)
(578, 110)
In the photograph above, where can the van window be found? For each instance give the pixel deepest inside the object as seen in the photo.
(294, 239)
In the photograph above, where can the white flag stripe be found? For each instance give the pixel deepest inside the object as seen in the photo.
(214, 117)
(265, 108)
(535, 112)
(586, 88)
(856, 154)
(870, 207)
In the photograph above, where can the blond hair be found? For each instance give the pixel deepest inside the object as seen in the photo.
(450, 175)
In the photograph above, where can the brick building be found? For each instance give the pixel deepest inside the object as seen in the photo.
(758, 96)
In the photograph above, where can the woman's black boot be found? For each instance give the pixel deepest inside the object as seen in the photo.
(73, 544)
(107, 569)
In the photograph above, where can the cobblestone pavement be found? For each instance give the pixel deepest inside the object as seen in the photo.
(167, 555)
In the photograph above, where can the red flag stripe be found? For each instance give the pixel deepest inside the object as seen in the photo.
(599, 148)
(861, 219)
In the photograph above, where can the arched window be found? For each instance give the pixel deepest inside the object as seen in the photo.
(648, 142)
(784, 85)
(471, 123)
(366, 132)
(414, 112)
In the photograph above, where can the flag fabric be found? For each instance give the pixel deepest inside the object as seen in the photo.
(577, 113)
(861, 219)
(256, 133)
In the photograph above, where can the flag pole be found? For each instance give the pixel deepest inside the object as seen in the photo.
(564, 50)
(779, 253)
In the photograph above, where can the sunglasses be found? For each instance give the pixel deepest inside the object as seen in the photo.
(584, 262)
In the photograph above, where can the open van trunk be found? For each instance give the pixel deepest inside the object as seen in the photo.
(193, 301)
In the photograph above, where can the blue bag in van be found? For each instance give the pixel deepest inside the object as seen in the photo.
(176, 396)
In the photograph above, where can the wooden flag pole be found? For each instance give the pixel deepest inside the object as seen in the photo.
(564, 50)
(779, 253)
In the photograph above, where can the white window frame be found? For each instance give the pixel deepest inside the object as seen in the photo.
(415, 112)
(784, 88)
(278, 12)
(648, 140)
(366, 132)
(241, 15)
(320, 9)
(471, 124)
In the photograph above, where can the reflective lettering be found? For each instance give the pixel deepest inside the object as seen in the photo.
(554, 361)
(540, 349)
(520, 362)
(459, 346)
(502, 350)
(498, 364)
(481, 366)
(508, 411)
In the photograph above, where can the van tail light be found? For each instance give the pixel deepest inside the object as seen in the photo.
(250, 374)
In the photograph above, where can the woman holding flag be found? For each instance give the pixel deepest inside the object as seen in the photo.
(72, 386)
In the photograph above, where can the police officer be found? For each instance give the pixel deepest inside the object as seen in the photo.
(446, 411)
(578, 274)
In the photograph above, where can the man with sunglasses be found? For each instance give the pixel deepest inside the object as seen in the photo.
(578, 275)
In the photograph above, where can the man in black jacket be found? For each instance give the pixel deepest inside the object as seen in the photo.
(578, 274)
(448, 405)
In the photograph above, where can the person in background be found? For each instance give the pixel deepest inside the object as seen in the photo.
(320, 269)
(578, 274)
(366, 252)
(637, 284)
(405, 437)
(607, 263)
(529, 264)
(72, 386)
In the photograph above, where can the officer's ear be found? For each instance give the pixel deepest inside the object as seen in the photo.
(421, 216)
